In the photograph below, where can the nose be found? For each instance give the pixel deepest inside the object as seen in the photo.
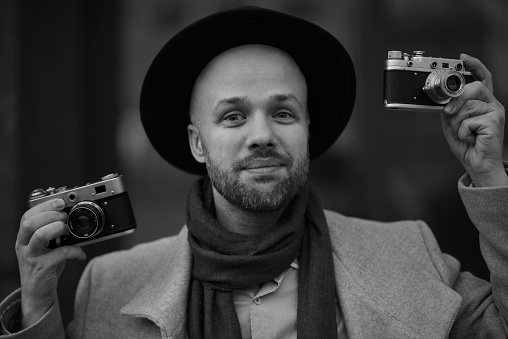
(261, 134)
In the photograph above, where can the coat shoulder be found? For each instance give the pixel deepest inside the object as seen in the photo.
(385, 243)
(140, 262)
(339, 223)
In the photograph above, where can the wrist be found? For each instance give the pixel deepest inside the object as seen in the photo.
(498, 179)
(30, 314)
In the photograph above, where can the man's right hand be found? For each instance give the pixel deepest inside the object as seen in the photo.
(39, 266)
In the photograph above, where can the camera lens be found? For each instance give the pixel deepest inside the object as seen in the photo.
(85, 219)
(441, 86)
(453, 83)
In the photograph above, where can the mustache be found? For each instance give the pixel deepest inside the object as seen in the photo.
(257, 154)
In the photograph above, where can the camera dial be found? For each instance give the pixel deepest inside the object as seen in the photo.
(86, 219)
(440, 86)
(37, 193)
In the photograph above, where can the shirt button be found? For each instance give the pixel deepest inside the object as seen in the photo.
(257, 301)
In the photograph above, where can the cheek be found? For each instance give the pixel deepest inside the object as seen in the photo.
(222, 148)
(297, 141)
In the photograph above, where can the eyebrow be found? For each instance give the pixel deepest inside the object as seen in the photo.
(279, 98)
(286, 97)
(231, 101)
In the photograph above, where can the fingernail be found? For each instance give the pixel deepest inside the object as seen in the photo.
(448, 108)
(59, 203)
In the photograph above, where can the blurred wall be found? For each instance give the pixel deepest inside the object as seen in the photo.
(60, 108)
(70, 82)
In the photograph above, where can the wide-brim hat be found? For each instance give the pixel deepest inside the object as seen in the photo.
(167, 88)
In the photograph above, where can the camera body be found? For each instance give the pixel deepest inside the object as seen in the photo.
(419, 83)
(96, 211)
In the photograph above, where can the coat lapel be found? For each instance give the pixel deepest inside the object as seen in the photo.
(163, 300)
(381, 292)
(384, 289)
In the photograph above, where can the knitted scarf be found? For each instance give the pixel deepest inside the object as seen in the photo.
(224, 261)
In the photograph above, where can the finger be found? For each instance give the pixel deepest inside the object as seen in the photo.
(54, 258)
(50, 205)
(470, 109)
(478, 69)
(473, 91)
(40, 238)
(467, 130)
(447, 132)
(445, 124)
(61, 254)
(33, 223)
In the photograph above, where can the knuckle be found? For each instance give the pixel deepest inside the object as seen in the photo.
(56, 216)
(27, 225)
(19, 249)
(24, 217)
(65, 251)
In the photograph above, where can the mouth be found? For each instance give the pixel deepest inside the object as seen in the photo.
(263, 163)
(264, 166)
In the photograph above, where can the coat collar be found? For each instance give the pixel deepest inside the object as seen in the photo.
(380, 292)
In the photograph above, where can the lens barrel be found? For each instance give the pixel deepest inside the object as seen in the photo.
(86, 219)
(440, 86)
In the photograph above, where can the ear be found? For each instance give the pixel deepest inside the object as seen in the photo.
(195, 143)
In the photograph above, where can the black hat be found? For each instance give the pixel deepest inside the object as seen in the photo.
(167, 88)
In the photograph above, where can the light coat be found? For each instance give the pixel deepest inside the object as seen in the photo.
(392, 281)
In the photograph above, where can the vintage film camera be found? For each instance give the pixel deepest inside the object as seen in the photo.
(419, 83)
(96, 211)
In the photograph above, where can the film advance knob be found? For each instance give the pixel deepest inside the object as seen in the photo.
(109, 176)
(38, 193)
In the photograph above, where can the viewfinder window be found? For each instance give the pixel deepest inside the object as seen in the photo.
(100, 189)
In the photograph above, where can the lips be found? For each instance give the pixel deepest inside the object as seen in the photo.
(263, 163)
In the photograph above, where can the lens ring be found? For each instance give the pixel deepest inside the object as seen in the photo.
(452, 83)
(85, 220)
(438, 83)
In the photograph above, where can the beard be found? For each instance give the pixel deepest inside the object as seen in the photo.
(253, 196)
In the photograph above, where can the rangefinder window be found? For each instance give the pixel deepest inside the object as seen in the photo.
(100, 189)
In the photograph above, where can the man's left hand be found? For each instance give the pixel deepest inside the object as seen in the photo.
(473, 125)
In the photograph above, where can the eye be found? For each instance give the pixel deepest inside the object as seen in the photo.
(284, 116)
(233, 119)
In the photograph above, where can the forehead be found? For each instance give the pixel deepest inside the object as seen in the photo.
(252, 71)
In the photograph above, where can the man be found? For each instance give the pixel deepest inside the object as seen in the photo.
(259, 257)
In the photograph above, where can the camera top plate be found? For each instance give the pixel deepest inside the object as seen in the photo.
(109, 185)
(419, 62)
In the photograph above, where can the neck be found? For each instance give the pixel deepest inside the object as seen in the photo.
(239, 221)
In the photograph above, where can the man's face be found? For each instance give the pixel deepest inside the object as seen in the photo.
(250, 126)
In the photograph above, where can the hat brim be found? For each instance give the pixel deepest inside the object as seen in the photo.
(167, 88)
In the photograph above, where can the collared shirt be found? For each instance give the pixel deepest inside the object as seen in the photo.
(269, 311)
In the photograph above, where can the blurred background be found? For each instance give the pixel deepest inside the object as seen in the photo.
(71, 73)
